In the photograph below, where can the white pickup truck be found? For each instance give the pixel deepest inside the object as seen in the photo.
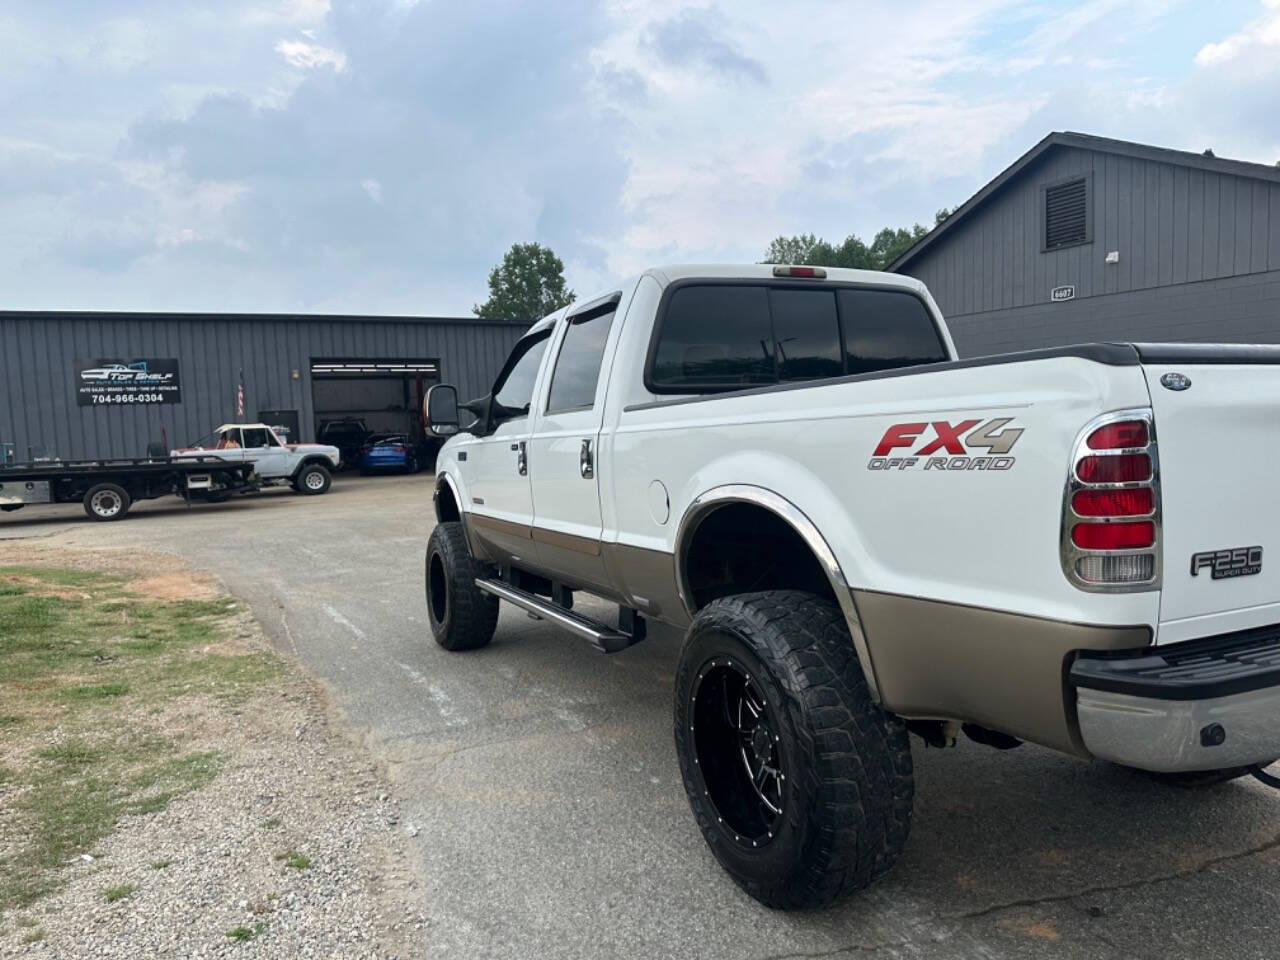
(863, 537)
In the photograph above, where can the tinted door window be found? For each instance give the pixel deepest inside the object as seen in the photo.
(573, 382)
(807, 334)
(716, 336)
(884, 330)
(514, 389)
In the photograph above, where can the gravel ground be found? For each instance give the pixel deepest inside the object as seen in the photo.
(296, 842)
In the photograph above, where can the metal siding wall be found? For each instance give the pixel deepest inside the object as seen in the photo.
(1242, 309)
(38, 405)
(1171, 225)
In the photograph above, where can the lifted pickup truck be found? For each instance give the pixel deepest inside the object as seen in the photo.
(863, 537)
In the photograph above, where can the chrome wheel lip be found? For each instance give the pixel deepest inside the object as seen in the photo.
(775, 805)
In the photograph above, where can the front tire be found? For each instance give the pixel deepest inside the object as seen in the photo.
(107, 501)
(801, 785)
(313, 480)
(462, 616)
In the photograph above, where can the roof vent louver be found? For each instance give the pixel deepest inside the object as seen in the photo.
(1066, 214)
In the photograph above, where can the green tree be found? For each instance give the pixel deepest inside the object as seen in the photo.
(885, 247)
(527, 285)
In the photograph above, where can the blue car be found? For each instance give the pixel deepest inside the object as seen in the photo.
(391, 451)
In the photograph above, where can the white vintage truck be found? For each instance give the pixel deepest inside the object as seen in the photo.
(863, 537)
(307, 467)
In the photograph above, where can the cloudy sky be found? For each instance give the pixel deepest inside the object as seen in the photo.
(380, 155)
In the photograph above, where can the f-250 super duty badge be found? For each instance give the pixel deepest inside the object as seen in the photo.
(943, 445)
(1222, 564)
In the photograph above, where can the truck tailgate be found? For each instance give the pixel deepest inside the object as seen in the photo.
(1219, 462)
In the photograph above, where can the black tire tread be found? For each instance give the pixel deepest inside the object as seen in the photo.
(301, 486)
(862, 771)
(472, 616)
(1200, 779)
(125, 499)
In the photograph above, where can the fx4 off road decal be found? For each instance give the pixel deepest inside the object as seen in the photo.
(943, 445)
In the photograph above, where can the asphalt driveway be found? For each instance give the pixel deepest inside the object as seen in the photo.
(540, 778)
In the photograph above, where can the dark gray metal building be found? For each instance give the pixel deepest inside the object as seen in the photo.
(110, 384)
(1086, 238)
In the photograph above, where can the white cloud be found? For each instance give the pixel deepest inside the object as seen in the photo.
(1257, 37)
(311, 55)
(287, 11)
(165, 162)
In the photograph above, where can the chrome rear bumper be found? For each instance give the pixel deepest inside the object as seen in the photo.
(1203, 705)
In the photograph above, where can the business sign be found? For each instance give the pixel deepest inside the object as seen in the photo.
(1065, 292)
(127, 382)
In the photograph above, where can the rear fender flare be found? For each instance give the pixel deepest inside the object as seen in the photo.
(705, 503)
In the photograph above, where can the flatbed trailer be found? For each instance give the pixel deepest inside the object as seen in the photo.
(107, 488)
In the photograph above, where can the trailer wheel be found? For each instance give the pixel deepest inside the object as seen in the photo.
(107, 501)
(313, 480)
(801, 785)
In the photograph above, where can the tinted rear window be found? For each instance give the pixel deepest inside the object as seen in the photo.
(884, 330)
(807, 334)
(715, 336)
(727, 336)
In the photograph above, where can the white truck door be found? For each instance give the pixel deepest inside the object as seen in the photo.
(230, 445)
(564, 449)
(501, 508)
(270, 459)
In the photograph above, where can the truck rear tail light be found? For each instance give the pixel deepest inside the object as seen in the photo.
(1123, 468)
(1131, 434)
(1114, 536)
(1114, 503)
(1111, 506)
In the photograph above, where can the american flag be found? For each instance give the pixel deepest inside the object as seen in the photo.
(240, 396)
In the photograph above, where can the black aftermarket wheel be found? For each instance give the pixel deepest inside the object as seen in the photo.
(801, 785)
(107, 501)
(462, 616)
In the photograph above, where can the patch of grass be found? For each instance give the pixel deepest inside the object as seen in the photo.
(25, 922)
(245, 934)
(71, 753)
(58, 576)
(33, 936)
(294, 860)
(271, 823)
(75, 649)
(119, 892)
(160, 864)
(100, 691)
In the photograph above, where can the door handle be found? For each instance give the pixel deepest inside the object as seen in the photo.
(522, 458)
(586, 463)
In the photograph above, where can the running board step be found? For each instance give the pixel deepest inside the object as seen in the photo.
(605, 639)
